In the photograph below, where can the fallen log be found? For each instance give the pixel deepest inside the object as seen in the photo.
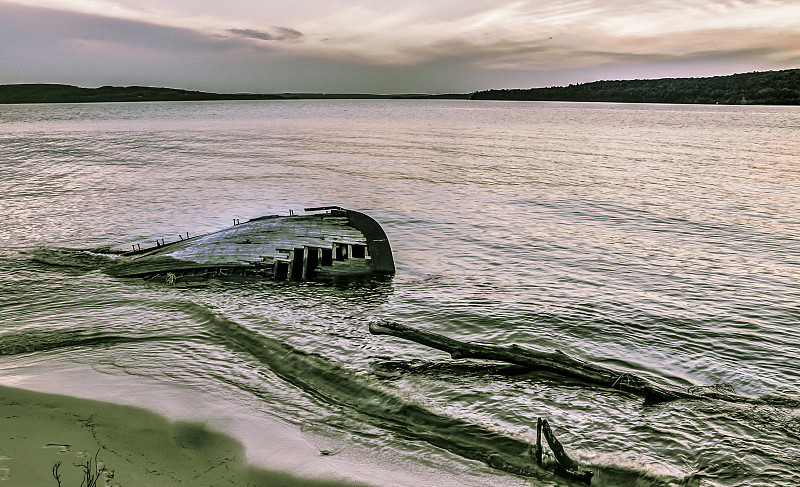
(556, 362)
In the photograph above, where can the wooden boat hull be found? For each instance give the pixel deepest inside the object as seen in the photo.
(326, 243)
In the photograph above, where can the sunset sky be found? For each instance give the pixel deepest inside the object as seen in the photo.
(388, 46)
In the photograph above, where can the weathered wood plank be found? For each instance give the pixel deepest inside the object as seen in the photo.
(272, 239)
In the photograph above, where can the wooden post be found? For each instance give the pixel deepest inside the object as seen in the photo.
(290, 272)
(305, 263)
(538, 452)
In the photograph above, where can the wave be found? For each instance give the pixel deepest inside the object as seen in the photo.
(18, 343)
(82, 259)
(364, 397)
(318, 376)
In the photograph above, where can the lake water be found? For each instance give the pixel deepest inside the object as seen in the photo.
(661, 240)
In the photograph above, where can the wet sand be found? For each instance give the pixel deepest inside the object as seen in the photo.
(136, 447)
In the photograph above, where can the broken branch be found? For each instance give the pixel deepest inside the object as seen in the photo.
(557, 362)
(567, 467)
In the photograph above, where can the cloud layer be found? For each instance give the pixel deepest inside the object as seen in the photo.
(388, 45)
(277, 34)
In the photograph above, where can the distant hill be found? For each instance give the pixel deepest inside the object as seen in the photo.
(55, 93)
(759, 88)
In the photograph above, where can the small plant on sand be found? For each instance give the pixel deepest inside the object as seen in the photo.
(91, 471)
(57, 475)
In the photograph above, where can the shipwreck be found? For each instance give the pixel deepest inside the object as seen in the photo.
(322, 244)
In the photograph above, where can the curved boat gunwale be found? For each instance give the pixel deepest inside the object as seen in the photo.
(324, 243)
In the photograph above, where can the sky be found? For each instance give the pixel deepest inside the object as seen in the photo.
(389, 46)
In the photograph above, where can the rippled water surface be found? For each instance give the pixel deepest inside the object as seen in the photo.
(660, 240)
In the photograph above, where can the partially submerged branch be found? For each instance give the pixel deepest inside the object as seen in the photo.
(565, 466)
(556, 362)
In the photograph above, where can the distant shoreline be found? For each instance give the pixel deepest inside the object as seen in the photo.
(757, 88)
(58, 93)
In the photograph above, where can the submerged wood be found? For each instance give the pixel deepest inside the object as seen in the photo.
(538, 450)
(556, 362)
(324, 244)
(566, 466)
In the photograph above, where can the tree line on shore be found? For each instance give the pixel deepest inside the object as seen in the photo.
(57, 93)
(757, 88)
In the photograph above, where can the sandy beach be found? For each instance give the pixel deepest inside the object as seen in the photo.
(132, 446)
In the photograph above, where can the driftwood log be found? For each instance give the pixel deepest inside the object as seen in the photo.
(562, 364)
(556, 362)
